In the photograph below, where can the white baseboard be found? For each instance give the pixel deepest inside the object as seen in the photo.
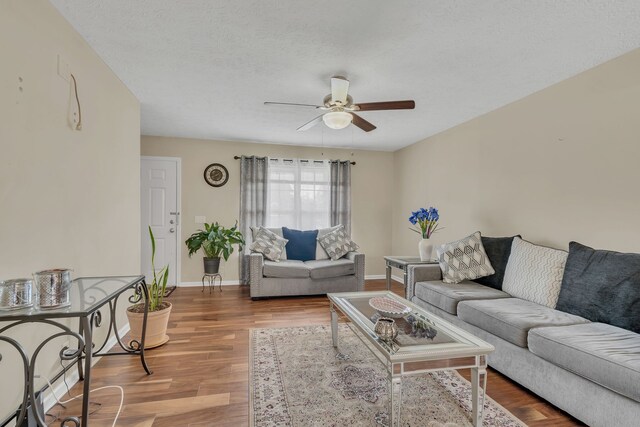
(72, 376)
(236, 282)
(194, 284)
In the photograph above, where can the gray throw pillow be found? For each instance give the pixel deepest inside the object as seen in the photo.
(268, 244)
(337, 243)
(464, 259)
(602, 286)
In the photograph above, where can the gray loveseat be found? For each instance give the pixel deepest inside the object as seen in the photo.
(590, 370)
(291, 277)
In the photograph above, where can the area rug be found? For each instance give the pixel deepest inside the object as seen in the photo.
(298, 379)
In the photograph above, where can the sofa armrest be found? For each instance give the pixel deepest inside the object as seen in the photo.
(421, 273)
(358, 260)
(256, 262)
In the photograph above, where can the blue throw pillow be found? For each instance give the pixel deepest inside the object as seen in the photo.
(301, 245)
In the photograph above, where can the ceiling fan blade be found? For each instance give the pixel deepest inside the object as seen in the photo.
(362, 123)
(292, 104)
(389, 105)
(339, 89)
(310, 123)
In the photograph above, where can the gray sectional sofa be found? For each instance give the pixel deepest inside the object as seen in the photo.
(589, 369)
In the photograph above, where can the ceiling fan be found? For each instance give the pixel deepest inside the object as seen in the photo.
(340, 109)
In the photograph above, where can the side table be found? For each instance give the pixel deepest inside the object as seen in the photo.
(402, 263)
(90, 297)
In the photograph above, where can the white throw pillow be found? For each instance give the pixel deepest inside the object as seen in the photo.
(337, 243)
(464, 259)
(268, 244)
(534, 273)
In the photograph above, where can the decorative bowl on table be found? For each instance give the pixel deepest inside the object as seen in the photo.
(388, 307)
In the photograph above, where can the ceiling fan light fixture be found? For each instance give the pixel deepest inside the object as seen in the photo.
(337, 119)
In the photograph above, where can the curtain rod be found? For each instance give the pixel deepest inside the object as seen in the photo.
(238, 158)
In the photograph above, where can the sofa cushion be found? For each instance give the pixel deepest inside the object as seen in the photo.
(602, 353)
(326, 268)
(283, 269)
(512, 318)
(602, 286)
(464, 259)
(446, 296)
(301, 245)
(498, 250)
(534, 273)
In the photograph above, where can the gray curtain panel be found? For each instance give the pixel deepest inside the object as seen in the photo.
(340, 205)
(254, 175)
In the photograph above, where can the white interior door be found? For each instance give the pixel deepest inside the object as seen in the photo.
(160, 209)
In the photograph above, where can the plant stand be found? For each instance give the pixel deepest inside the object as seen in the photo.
(211, 279)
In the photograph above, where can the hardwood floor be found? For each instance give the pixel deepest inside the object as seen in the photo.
(201, 376)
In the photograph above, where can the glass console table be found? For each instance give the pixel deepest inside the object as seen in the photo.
(89, 297)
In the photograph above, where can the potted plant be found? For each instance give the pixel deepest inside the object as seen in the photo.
(425, 223)
(159, 310)
(216, 241)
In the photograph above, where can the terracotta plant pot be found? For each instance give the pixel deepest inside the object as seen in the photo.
(156, 325)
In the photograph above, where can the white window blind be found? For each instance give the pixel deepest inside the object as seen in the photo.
(298, 194)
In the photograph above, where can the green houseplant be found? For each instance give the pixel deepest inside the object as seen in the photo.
(159, 310)
(216, 241)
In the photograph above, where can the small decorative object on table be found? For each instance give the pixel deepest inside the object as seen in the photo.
(389, 308)
(53, 288)
(386, 329)
(425, 223)
(421, 328)
(16, 294)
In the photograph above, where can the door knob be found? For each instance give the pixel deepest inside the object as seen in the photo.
(172, 230)
(171, 221)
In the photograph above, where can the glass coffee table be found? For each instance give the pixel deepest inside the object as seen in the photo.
(424, 343)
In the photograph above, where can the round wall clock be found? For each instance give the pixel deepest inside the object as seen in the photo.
(216, 175)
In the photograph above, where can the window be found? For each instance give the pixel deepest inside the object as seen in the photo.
(298, 194)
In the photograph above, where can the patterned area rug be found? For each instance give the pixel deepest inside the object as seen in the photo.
(298, 379)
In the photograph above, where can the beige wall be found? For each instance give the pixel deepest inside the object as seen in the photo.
(69, 198)
(556, 166)
(371, 190)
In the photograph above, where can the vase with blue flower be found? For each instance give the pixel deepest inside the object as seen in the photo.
(425, 223)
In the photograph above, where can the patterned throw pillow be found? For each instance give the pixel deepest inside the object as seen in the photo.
(464, 259)
(337, 243)
(277, 231)
(534, 273)
(268, 244)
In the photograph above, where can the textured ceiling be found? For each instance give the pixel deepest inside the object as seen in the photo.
(202, 68)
